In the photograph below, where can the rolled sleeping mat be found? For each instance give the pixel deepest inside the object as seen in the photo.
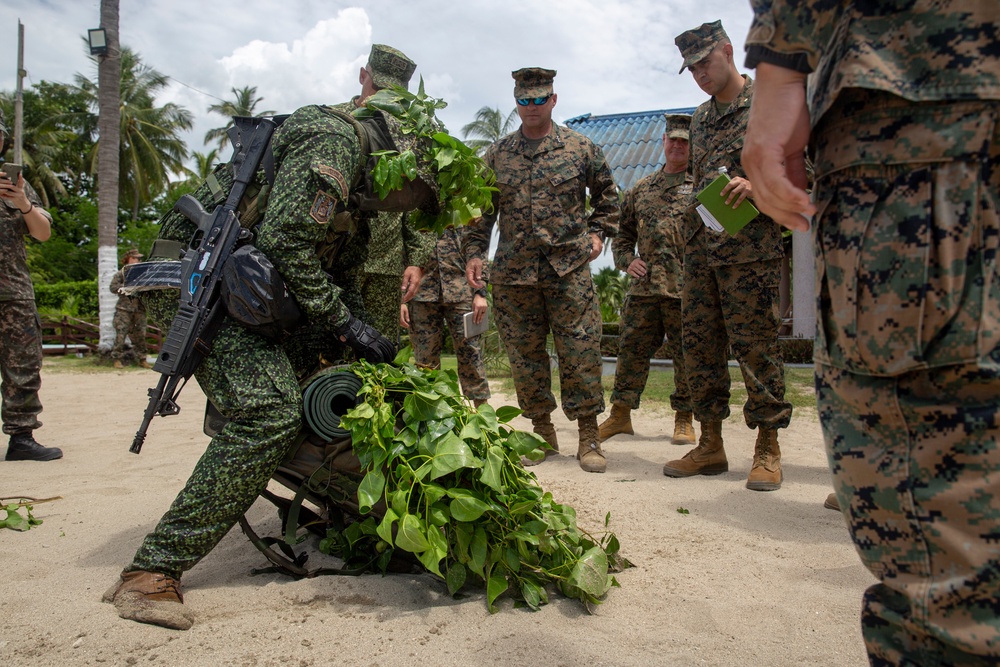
(327, 396)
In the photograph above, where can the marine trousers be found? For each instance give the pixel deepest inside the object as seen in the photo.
(20, 365)
(427, 320)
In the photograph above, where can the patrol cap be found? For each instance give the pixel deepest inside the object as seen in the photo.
(533, 82)
(390, 67)
(132, 252)
(678, 126)
(696, 44)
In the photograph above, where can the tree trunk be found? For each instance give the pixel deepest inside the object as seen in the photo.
(109, 128)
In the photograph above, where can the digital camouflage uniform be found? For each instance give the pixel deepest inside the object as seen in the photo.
(130, 321)
(443, 298)
(20, 328)
(653, 221)
(906, 150)
(251, 379)
(731, 286)
(541, 272)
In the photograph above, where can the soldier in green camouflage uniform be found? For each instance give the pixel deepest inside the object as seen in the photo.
(395, 251)
(541, 273)
(130, 318)
(254, 380)
(442, 300)
(730, 282)
(653, 220)
(904, 117)
(21, 214)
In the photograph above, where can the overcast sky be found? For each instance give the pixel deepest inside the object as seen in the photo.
(612, 56)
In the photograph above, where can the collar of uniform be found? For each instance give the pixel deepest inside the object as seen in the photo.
(742, 100)
(549, 142)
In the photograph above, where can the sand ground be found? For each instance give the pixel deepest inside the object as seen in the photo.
(744, 578)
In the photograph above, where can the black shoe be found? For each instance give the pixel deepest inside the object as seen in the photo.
(23, 447)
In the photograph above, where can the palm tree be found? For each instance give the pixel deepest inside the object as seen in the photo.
(489, 126)
(43, 147)
(150, 145)
(204, 164)
(611, 286)
(244, 104)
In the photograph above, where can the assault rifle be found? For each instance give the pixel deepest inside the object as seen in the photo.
(201, 309)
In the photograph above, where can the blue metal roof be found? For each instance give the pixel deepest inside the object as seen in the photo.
(631, 141)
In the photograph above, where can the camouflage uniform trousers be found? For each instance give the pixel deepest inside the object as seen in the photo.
(20, 365)
(645, 320)
(382, 297)
(427, 337)
(568, 306)
(252, 382)
(913, 442)
(133, 325)
(733, 305)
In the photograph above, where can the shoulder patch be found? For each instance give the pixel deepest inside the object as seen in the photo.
(338, 178)
(323, 207)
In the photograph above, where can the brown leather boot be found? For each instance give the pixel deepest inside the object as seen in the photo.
(832, 503)
(620, 421)
(150, 597)
(543, 426)
(683, 429)
(708, 458)
(765, 473)
(589, 452)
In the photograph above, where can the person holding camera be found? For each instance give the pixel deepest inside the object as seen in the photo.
(21, 213)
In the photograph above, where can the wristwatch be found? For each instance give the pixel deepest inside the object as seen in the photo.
(480, 292)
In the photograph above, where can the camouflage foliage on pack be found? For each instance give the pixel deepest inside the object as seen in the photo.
(653, 221)
(717, 141)
(645, 321)
(550, 222)
(733, 307)
(566, 305)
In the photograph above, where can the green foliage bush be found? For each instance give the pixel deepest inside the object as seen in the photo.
(76, 299)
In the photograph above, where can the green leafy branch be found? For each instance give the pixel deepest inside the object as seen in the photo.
(465, 183)
(443, 484)
(13, 518)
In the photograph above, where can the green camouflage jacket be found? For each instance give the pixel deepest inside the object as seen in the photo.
(542, 205)
(394, 245)
(920, 50)
(717, 141)
(15, 280)
(653, 218)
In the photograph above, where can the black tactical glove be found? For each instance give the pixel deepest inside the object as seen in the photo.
(366, 341)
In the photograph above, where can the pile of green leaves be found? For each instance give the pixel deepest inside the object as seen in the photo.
(444, 484)
(465, 183)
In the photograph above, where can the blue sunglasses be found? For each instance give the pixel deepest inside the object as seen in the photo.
(539, 101)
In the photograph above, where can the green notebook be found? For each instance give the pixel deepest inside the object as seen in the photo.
(715, 210)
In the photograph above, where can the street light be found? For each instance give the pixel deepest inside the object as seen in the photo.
(98, 42)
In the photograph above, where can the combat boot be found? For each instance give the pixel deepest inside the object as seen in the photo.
(150, 597)
(832, 503)
(683, 429)
(22, 447)
(708, 458)
(620, 421)
(765, 473)
(543, 427)
(589, 452)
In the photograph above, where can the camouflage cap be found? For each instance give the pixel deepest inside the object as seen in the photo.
(696, 44)
(131, 252)
(533, 82)
(389, 67)
(678, 126)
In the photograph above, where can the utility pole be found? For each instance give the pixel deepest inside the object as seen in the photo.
(19, 96)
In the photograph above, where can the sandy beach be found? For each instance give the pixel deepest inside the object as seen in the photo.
(742, 578)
